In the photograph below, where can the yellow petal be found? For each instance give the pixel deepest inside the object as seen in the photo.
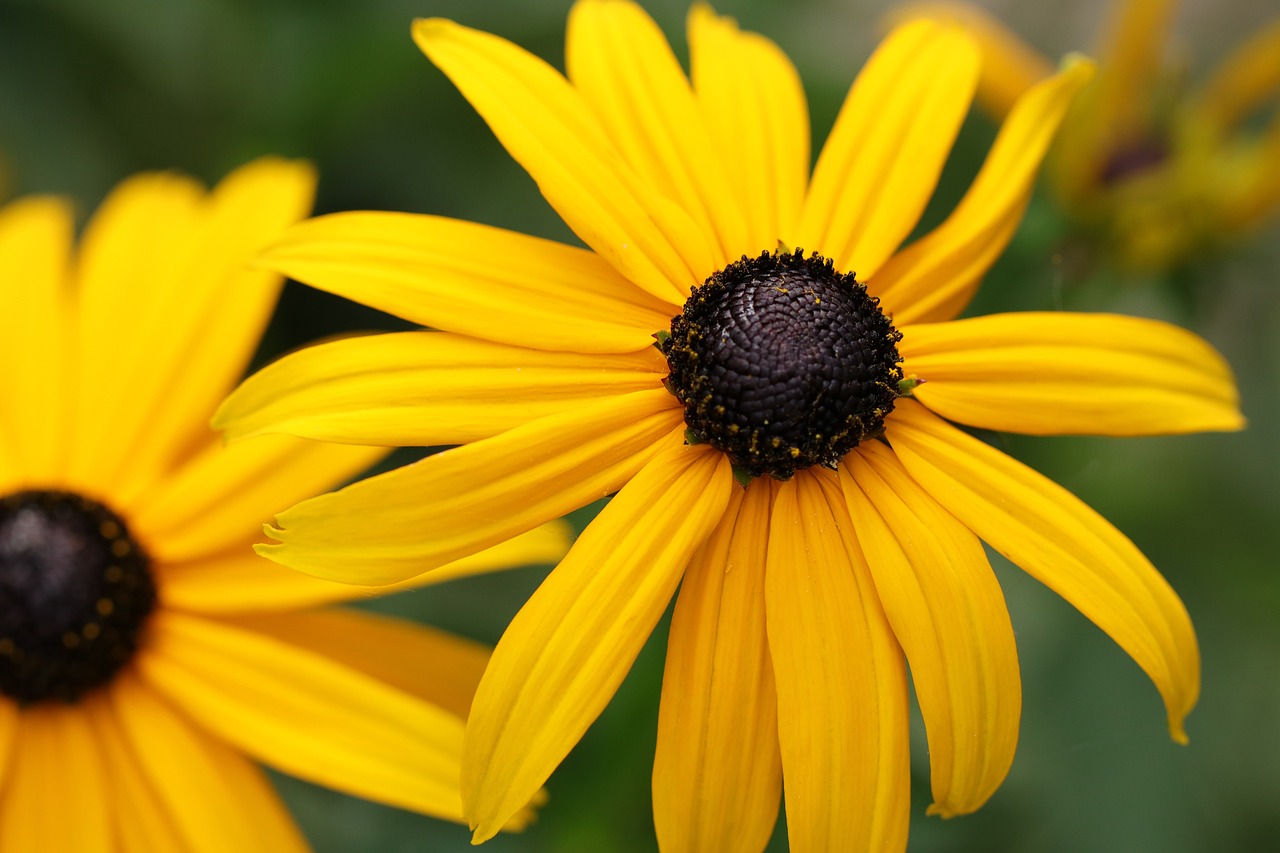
(717, 774)
(424, 389)
(882, 160)
(35, 341)
(934, 277)
(947, 611)
(620, 62)
(224, 495)
(432, 665)
(473, 279)
(405, 522)
(1052, 535)
(306, 715)
(842, 684)
(755, 110)
(1058, 373)
(55, 796)
(142, 821)
(570, 646)
(217, 799)
(1009, 65)
(1247, 78)
(550, 130)
(170, 313)
(240, 581)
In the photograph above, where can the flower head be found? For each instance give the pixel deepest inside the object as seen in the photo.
(1160, 171)
(146, 654)
(736, 315)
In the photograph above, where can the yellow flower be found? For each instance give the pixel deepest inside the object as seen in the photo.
(146, 654)
(855, 549)
(1161, 173)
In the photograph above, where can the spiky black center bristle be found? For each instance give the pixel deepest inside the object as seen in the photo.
(783, 363)
(75, 591)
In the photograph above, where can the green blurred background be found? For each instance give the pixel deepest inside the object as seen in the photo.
(91, 92)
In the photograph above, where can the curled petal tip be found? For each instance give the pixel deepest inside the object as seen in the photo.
(424, 29)
(1079, 64)
(940, 811)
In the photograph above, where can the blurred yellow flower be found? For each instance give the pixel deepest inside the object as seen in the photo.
(774, 456)
(146, 653)
(1159, 172)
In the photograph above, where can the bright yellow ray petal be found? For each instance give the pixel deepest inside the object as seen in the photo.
(934, 278)
(948, 612)
(224, 495)
(620, 62)
(424, 389)
(882, 160)
(142, 821)
(306, 715)
(215, 797)
(133, 254)
(435, 666)
(171, 314)
(1051, 534)
(755, 110)
(405, 522)
(35, 341)
(717, 774)
(547, 127)
(240, 581)
(1248, 78)
(842, 685)
(55, 797)
(1009, 65)
(1058, 373)
(473, 279)
(570, 646)
(11, 478)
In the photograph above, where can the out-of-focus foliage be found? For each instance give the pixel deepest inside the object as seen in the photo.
(90, 92)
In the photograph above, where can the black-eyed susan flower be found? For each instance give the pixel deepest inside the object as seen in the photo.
(1159, 170)
(147, 655)
(749, 359)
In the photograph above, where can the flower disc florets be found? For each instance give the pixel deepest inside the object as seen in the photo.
(75, 590)
(783, 363)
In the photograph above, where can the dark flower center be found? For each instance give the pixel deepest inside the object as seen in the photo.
(783, 363)
(1133, 158)
(75, 590)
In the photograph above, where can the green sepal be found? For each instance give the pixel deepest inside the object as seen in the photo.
(692, 438)
(743, 476)
(660, 338)
(908, 385)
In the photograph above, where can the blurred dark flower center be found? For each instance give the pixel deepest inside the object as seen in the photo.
(75, 590)
(1133, 158)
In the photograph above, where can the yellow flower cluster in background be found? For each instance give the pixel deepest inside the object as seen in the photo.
(1160, 171)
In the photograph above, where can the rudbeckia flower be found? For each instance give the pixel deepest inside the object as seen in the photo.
(147, 655)
(1158, 170)
(767, 380)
